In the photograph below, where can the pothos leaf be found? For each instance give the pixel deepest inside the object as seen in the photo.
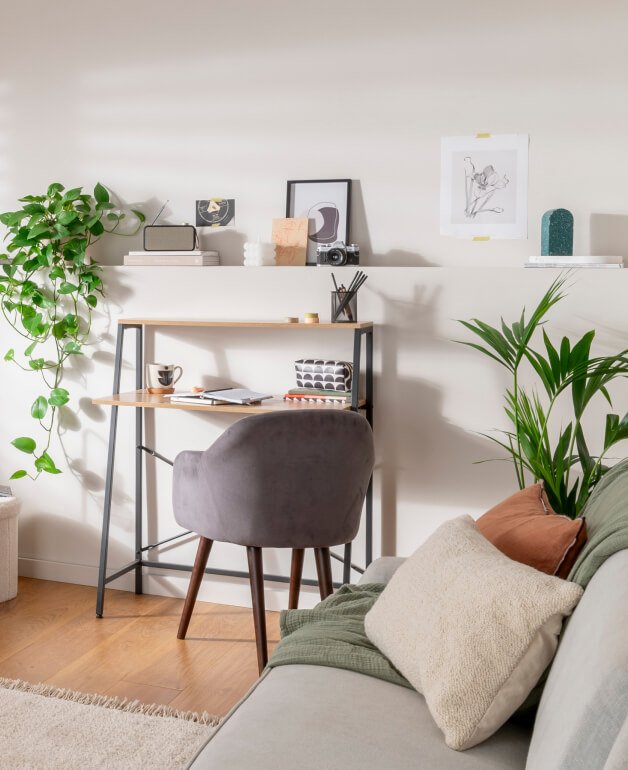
(101, 194)
(45, 463)
(24, 444)
(39, 408)
(58, 397)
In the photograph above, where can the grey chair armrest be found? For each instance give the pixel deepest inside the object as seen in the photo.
(382, 569)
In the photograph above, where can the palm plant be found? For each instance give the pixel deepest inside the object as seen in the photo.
(560, 458)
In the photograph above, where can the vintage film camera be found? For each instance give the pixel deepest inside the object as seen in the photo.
(337, 254)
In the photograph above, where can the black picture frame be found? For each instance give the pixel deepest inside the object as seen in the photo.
(320, 191)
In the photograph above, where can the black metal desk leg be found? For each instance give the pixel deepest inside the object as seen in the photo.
(111, 452)
(355, 384)
(369, 377)
(369, 417)
(139, 367)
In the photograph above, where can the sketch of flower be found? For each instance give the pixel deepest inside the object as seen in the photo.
(480, 188)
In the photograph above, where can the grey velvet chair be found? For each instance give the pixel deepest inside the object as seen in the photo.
(280, 480)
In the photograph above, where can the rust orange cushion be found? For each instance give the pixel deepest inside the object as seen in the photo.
(526, 528)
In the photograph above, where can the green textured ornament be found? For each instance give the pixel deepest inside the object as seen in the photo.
(557, 233)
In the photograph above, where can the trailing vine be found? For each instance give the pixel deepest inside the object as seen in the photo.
(49, 288)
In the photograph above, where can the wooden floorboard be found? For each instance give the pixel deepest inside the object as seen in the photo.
(50, 634)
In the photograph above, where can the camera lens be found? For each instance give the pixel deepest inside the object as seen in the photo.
(337, 257)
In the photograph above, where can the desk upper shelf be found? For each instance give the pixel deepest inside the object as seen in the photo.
(199, 322)
(145, 400)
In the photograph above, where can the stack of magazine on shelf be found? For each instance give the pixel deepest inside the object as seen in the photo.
(318, 396)
(571, 261)
(196, 258)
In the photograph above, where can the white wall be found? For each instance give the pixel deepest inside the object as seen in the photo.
(182, 102)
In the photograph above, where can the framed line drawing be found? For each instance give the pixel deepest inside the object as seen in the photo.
(484, 186)
(326, 203)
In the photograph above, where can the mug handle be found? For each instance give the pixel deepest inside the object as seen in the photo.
(176, 379)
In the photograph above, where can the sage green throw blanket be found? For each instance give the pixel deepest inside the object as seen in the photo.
(332, 634)
(606, 514)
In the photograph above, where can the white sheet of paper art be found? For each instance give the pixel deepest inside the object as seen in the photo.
(484, 186)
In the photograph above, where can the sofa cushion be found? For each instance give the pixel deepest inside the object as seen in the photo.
(585, 700)
(381, 570)
(315, 718)
(606, 512)
(528, 530)
(470, 629)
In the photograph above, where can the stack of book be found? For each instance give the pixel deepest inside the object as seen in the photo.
(571, 261)
(194, 258)
(318, 396)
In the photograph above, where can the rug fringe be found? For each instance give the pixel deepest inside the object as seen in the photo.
(110, 702)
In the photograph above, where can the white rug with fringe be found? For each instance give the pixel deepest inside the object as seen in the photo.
(47, 727)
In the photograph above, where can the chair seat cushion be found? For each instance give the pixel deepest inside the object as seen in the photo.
(313, 717)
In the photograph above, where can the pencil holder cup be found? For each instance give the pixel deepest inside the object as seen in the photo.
(344, 307)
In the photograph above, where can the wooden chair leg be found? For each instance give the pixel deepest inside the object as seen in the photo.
(202, 554)
(256, 574)
(346, 570)
(323, 570)
(296, 571)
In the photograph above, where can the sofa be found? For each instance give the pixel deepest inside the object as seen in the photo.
(310, 716)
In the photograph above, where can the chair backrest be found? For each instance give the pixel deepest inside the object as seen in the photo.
(284, 480)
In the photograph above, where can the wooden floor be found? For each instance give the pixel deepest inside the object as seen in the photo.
(50, 633)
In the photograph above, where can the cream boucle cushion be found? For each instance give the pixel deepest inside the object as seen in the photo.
(470, 629)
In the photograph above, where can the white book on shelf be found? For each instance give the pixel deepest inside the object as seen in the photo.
(194, 253)
(172, 260)
(575, 265)
(572, 260)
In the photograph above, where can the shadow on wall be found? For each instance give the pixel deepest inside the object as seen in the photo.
(436, 463)
(110, 249)
(609, 235)
(70, 419)
(360, 234)
(84, 540)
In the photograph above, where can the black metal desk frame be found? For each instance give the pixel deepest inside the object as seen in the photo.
(140, 549)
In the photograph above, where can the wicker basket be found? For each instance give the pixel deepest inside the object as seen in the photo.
(9, 509)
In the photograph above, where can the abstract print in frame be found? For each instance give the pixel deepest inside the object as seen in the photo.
(484, 186)
(326, 204)
(215, 212)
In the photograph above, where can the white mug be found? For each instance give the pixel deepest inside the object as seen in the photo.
(162, 375)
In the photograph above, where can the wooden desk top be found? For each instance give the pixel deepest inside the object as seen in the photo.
(199, 322)
(144, 400)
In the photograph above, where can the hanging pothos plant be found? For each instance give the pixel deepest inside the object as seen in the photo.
(48, 289)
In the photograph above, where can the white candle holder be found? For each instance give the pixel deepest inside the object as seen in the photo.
(258, 254)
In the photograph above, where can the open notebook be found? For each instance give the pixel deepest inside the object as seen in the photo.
(221, 396)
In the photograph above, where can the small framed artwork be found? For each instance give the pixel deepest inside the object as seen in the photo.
(215, 212)
(484, 186)
(326, 204)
